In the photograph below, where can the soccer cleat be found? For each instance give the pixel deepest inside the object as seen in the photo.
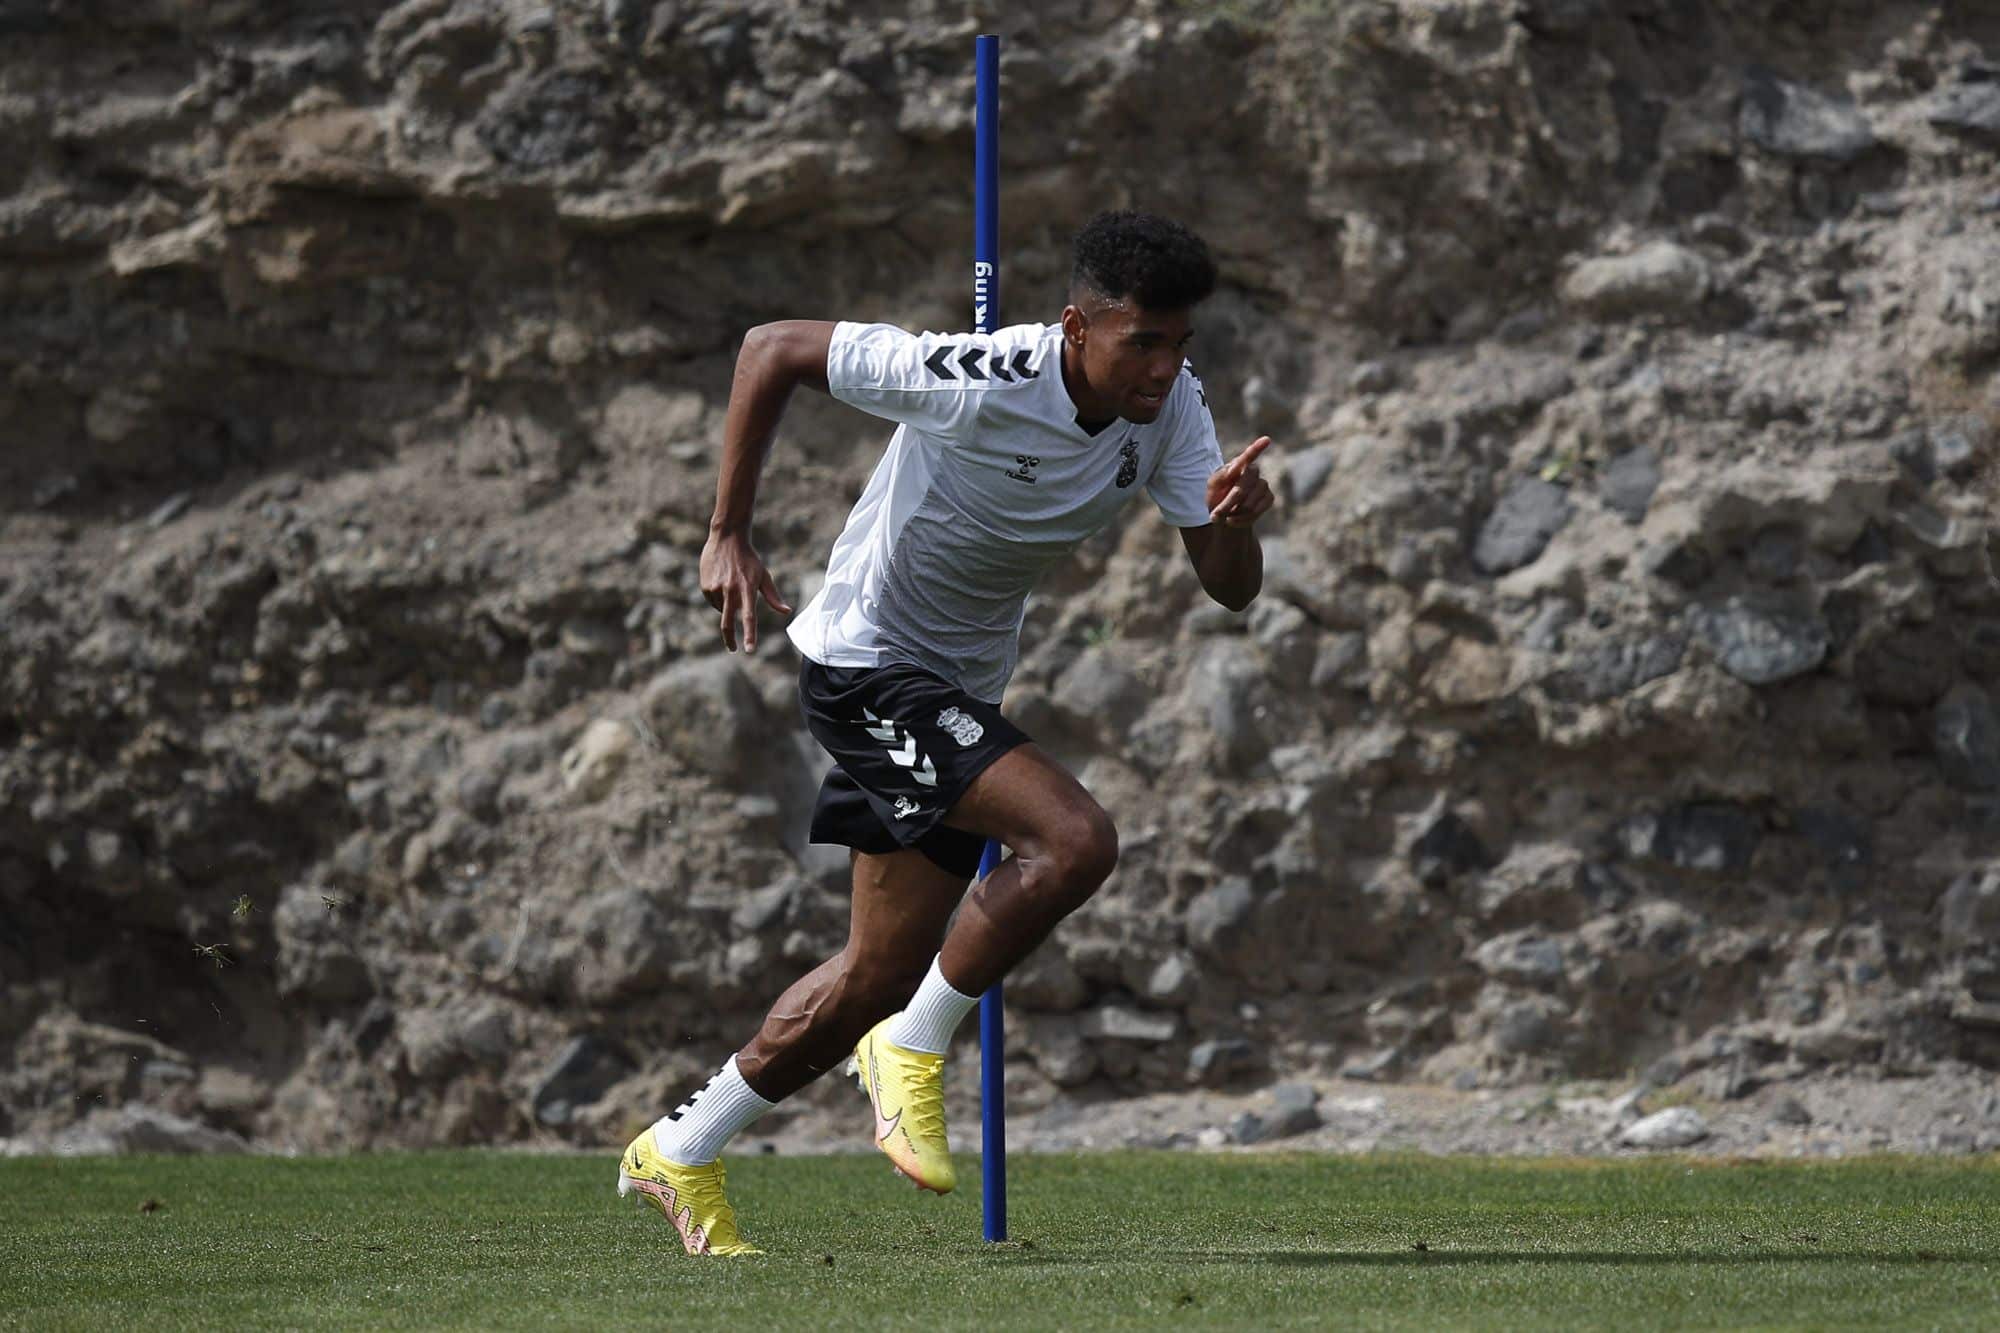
(906, 1088)
(688, 1196)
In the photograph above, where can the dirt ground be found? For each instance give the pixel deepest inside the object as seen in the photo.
(1955, 1111)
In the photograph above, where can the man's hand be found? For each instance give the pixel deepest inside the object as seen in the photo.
(1238, 495)
(733, 577)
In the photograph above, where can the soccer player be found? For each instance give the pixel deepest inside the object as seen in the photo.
(1010, 449)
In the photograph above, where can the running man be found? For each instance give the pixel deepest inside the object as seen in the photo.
(1010, 449)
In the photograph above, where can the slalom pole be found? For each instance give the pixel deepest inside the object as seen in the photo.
(986, 318)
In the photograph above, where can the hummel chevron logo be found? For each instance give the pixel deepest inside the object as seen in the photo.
(904, 755)
(940, 363)
(924, 772)
(880, 730)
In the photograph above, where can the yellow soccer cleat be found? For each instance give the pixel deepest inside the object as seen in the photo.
(906, 1088)
(688, 1196)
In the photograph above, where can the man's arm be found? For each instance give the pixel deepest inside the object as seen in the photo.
(1225, 554)
(775, 359)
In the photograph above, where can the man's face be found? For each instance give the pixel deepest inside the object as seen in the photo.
(1130, 355)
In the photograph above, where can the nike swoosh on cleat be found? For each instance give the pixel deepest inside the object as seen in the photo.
(884, 1126)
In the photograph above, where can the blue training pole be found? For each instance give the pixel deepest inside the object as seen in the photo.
(986, 318)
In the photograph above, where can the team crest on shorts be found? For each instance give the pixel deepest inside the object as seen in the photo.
(963, 728)
(1128, 463)
(905, 807)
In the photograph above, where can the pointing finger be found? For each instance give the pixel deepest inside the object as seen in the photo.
(1243, 460)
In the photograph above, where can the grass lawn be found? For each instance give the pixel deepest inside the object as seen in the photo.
(489, 1240)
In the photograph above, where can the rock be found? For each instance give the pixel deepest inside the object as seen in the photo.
(1789, 1110)
(1907, 669)
(592, 638)
(1287, 636)
(1758, 646)
(1219, 916)
(1372, 377)
(1611, 668)
(1523, 958)
(576, 1076)
(1059, 1050)
(144, 1129)
(1102, 692)
(1969, 912)
(1700, 835)
(616, 946)
(1628, 482)
(1245, 1127)
(709, 717)
(1306, 472)
(1047, 980)
(1559, 17)
(1371, 1067)
(1675, 1127)
(1219, 1059)
(1341, 661)
(1225, 684)
(1969, 109)
(170, 509)
(1173, 981)
(479, 794)
(1520, 526)
(1966, 740)
(1792, 121)
(1525, 1027)
(765, 909)
(1775, 554)
(1660, 279)
(1840, 839)
(1266, 407)
(1447, 846)
(1293, 1109)
(1117, 1022)
(316, 958)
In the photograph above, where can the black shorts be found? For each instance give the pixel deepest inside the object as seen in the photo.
(905, 745)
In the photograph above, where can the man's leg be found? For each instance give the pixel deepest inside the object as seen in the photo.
(901, 904)
(1064, 848)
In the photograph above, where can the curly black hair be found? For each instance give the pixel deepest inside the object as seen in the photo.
(1151, 260)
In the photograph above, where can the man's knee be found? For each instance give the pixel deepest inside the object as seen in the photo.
(1080, 852)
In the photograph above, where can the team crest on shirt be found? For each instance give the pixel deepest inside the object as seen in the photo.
(1128, 463)
(964, 729)
(905, 807)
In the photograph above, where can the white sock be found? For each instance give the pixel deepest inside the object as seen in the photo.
(694, 1132)
(933, 1015)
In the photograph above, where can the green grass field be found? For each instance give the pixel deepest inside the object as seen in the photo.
(491, 1240)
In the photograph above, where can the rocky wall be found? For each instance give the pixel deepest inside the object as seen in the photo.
(1619, 700)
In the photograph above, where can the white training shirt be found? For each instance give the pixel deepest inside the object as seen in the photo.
(987, 482)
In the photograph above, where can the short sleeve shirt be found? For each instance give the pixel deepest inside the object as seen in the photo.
(987, 481)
